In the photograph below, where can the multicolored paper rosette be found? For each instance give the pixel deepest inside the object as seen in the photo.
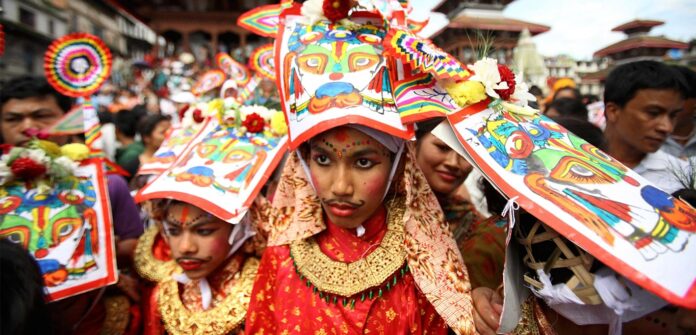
(77, 64)
(423, 54)
(208, 81)
(262, 20)
(261, 61)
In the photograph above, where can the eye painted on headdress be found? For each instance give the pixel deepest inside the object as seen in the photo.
(361, 61)
(573, 170)
(369, 38)
(340, 35)
(18, 235)
(311, 37)
(313, 63)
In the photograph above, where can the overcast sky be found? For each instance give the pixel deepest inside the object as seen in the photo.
(581, 27)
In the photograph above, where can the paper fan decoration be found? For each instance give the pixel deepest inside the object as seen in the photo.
(262, 20)
(261, 61)
(70, 124)
(208, 81)
(237, 71)
(423, 54)
(77, 64)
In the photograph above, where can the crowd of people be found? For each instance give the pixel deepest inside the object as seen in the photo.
(356, 231)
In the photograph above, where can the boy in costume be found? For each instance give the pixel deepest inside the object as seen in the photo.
(201, 250)
(358, 242)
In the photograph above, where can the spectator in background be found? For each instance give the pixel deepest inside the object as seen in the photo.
(153, 130)
(30, 103)
(567, 92)
(539, 95)
(682, 142)
(566, 107)
(642, 100)
(127, 156)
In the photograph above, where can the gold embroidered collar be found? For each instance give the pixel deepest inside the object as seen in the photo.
(146, 264)
(224, 318)
(348, 279)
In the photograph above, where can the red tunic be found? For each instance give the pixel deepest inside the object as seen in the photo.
(281, 302)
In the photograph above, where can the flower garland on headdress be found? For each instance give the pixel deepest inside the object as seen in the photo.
(42, 162)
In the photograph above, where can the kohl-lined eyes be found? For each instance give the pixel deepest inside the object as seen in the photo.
(201, 231)
(322, 160)
(360, 162)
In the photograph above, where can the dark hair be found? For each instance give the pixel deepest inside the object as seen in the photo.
(24, 309)
(690, 78)
(149, 122)
(575, 91)
(686, 194)
(583, 129)
(535, 91)
(425, 127)
(625, 80)
(126, 121)
(568, 107)
(29, 87)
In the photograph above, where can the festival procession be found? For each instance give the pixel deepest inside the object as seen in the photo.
(345, 169)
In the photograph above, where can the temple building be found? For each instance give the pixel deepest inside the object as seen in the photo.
(638, 45)
(202, 27)
(478, 28)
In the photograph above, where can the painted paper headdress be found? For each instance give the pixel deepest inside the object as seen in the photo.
(332, 73)
(576, 189)
(54, 203)
(224, 165)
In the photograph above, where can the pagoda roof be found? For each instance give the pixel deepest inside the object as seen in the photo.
(641, 42)
(638, 24)
(466, 21)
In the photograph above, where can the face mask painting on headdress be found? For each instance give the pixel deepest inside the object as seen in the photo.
(225, 166)
(638, 230)
(66, 229)
(332, 74)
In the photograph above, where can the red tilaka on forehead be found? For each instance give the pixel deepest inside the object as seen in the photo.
(184, 214)
(340, 135)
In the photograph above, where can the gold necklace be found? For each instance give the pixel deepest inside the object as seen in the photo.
(346, 280)
(146, 264)
(224, 318)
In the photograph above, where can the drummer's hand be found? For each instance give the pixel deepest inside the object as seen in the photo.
(488, 305)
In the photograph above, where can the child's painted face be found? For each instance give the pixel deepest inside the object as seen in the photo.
(198, 240)
(350, 171)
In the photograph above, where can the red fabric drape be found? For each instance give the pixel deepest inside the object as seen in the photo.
(281, 301)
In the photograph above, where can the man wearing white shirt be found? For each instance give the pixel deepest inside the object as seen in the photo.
(642, 100)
